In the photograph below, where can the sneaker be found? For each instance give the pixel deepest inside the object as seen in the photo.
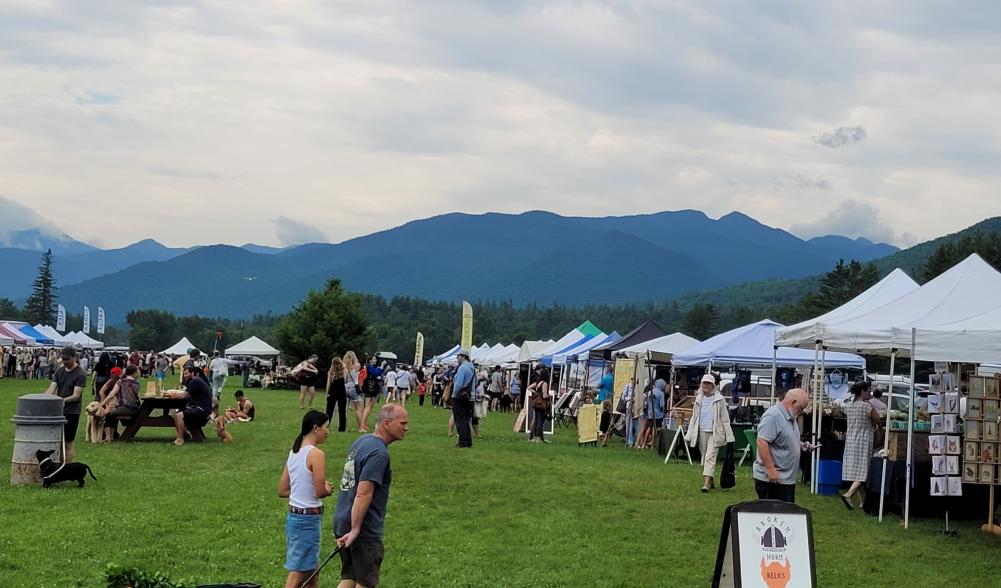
(705, 489)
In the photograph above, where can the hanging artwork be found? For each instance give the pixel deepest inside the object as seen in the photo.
(990, 408)
(934, 403)
(986, 473)
(949, 423)
(936, 444)
(971, 452)
(974, 408)
(952, 446)
(972, 430)
(977, 386)
(955, 486)
(950, 404)
(970, 473)
(952, 465)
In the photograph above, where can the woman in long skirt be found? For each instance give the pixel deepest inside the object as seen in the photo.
(863, 420)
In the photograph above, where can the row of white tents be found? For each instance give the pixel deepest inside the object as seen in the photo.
(13, 333)
(252, 346)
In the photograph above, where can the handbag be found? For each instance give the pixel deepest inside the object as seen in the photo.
(727, 478)
(447, 394)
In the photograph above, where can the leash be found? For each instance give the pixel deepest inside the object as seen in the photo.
(317, 570)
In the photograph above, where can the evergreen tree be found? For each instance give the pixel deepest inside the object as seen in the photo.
(700, 321)
(40, 307)
(838, 286)
(948, 254)
(9, 310)
(326, 323)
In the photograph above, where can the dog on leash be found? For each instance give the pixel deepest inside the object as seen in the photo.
(95, 422)
(53, 472)
(220, 429)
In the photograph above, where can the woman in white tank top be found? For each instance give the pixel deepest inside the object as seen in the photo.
(304, 482)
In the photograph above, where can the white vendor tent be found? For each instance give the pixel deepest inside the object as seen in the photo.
(753, 345)
(894, 286)
(662, 348)
(532, 349)
(252, 346)
(52, 334)
(441, 358)
(82, 340)
(572, 354)
(179, 348)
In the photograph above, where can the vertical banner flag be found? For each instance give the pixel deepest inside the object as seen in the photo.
(100, 320)
(86, 320)
(419, 351)
(61, 319)
(466, 341)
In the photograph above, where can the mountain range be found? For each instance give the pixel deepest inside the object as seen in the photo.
(535, 256)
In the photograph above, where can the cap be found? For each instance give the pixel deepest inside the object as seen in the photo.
(463, 353)
(709, 378)
(68, 351)
(116, 371)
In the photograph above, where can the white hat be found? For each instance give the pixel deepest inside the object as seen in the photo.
(709, 378)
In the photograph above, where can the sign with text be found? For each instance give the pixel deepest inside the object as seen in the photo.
(100, 320)
(766, 544)
(61, 319)
(419, 350)
(86, 320)
(466, 340)
(624, 370)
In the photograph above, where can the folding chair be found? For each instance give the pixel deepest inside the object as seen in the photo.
(567, 413)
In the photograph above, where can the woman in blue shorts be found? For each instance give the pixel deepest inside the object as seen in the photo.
(304, 483)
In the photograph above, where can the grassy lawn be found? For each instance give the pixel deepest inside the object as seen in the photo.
(506, 513)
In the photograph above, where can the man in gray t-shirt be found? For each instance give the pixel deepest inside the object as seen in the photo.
(779, 446)
(68, 382)
(360, 513)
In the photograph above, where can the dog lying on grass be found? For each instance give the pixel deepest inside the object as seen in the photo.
(220, 429)
(53, 473)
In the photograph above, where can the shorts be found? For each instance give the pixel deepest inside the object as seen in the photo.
(372, 391)
(302, 537)
(361, 562)
(352, 394)
(307, 379)
(194, 417)
(159, 374)
(494, 395)
(69, 429)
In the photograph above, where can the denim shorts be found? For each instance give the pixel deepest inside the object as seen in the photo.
(302, 535)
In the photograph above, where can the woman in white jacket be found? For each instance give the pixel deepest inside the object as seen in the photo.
(709, 427)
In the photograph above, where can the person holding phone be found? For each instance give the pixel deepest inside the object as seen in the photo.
(779, 446)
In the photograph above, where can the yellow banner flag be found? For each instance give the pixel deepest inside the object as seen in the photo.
(466, 341)
(419, 351)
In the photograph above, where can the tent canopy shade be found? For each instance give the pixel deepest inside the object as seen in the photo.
(40, 338)
(662, 348)
(179, 348)
(252, 346)
(11, 332)
(645, 332)
(753, 345)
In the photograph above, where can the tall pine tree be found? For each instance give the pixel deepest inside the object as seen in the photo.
(40, 307)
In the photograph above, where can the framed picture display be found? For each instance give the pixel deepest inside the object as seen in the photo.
(938, 465)
(934, 403)
(952, 445)
(989, 431)
(955, 486)
(949, 381)
(990, 387)
(971, 452)
(937, 423)
(987, 451)
(970, 471)
(935, 384)
(939, 486)
(952, 465)
(986, 473)
(974, 408)
(972, 429)
(990, 410)
(949, 423)
(936, 444)
(950, 403)
(977, 386)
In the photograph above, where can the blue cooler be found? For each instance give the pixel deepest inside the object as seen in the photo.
(828, 477)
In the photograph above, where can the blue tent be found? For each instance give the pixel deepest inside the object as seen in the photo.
(38, 337)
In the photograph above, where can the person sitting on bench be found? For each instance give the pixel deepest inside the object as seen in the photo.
(196, 412)
(244, 410)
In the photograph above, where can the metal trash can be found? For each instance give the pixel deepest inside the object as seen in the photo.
(39, 423)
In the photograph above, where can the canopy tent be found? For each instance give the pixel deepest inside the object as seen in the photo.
(530, 349)
(252, 346)
(11, 332)
(478, 352)
(40, 338)
(505, 354)
(581, 351)
(645, 332)
(895, 285)
(956, 317)
(547, 358)
(754, 345)
(5, 340)
(82, 340)
(584, 331)
(662, 348)
(443, 356)
(52, 334)
(179, 348)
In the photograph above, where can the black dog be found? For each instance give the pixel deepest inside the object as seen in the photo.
(53, 472)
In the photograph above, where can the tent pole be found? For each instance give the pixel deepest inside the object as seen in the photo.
(670, 404)
(775, 353)
(886, 436)
(813, 418)
(910, 434)
(820, 412)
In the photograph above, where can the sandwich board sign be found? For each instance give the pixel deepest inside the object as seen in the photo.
(766, 544)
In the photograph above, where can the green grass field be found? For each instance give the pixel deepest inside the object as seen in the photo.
(506, 513)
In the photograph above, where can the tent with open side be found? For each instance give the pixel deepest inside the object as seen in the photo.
(754, 345)
(52, 334)
(645, 332)
(179, 348)
(83, 340)
(253, 346)
(532, 349)
(581, 351)
(661, 349)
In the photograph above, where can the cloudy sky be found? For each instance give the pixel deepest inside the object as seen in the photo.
(282, 122)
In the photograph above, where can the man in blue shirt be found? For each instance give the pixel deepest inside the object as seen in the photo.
(463, 392)
(605, 388)
(360, 514)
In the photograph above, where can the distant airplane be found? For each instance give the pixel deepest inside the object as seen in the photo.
(250, 278)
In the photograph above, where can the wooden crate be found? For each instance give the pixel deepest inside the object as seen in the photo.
(898, 446)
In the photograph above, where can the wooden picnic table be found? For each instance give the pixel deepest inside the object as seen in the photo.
(145, 418)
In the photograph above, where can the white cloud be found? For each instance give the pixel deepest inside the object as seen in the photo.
(852, 218)
(293, 232)
(366, 115)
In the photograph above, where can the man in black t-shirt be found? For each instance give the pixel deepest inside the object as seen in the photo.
(68, 382)
(199, 396)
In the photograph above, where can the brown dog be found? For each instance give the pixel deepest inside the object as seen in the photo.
(95, 422)
(220, 429)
